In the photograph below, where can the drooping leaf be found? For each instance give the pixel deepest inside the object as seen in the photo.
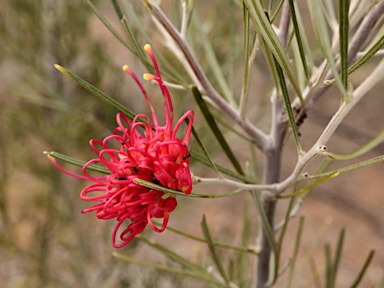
(296, 28)
(214, 62)
(95, 91)
(288, 108)
(264, 27)
(302, 190)
(343, 39)
(368, 55)
(215, 257)
(321, 31)
(363, 269)
(215, 129)
(295, 252)
(79, 163)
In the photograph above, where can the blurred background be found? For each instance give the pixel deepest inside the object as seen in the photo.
(45, 241)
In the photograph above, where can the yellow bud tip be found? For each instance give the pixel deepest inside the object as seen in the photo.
(125, 68)
(58, 67)
(147, 47)
(147, 77)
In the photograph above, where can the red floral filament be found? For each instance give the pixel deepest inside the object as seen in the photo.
(156, 155)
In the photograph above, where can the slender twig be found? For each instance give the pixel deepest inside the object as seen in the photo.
(232, 183)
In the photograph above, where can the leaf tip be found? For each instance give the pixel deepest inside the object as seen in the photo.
(60, 68)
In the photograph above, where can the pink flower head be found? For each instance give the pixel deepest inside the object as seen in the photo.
(147, 151)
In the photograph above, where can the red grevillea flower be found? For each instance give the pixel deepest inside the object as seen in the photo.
(147, 151)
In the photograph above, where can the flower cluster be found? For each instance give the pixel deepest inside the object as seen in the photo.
(147, 151)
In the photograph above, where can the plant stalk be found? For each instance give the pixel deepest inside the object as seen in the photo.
(271, 175)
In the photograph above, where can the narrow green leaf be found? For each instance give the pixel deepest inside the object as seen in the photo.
(302, 190)
(243, 257)
(232, 49)
(352, 167)
(215, 129)
(363, 269)
(173, 256)
(181, 193)
(314, 273)
(318, 238)
(343, 39)
(362, 150)
(213, 62)
(264, 220)
(138, 49)
(288, 108)
(134, 46)
(183, 273)
(76, 162)
(231, 269)
(381, 282)
(270, 58)
(328, 266)
(253, 168)
(191, 6)
(321, 31)
(212, 249)
(229, 126)
(285, 225)
(264, 27)
(368, 55)
(117, 8)
(336, 263)
(298, 38)
(98, 93)
(209, 161)
(280, 242)
(329, 12)
(196, 156)
(243, 249)
(167, 68)
(246, 54)
(131, 14)
(270, 6)
(154, 186)
(304, 38)
(295, 251)
(277, 10)
(108, 25)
